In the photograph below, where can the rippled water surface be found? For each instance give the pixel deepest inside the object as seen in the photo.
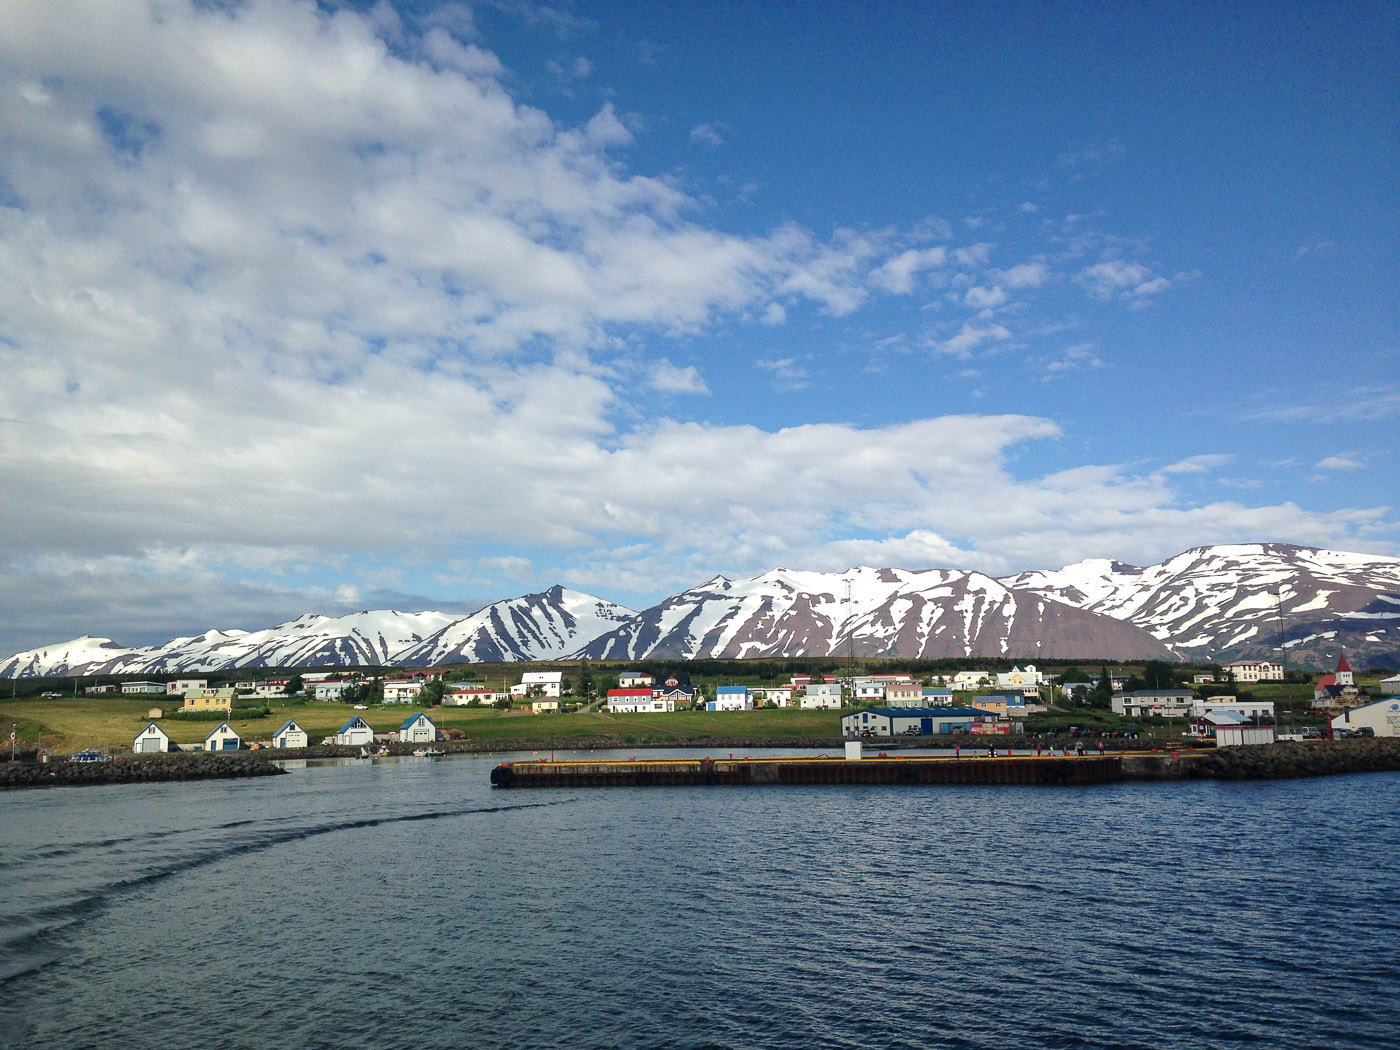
(407, 904)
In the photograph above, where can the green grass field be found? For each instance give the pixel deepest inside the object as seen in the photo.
(69, 724)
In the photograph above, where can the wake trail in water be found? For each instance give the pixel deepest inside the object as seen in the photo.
(30, 943)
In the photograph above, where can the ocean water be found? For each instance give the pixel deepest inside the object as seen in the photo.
(408, 904)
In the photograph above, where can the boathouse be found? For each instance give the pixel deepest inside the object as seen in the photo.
(354, 733)
(290, 735)
(419, 729)
(224, 738)
(150, 740)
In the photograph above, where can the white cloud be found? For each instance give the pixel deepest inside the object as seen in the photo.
(675, 379)
(1342, 462)
(898, 274)
(970, 337)
(980, 298)
(284, 303)
(706, 135)
(1023, 275)
(1199, 464)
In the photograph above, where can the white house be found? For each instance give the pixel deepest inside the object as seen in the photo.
(224, 738)
(937, 697)
(464, 697)
(181, 686)
(130, 688)
(730, 698)
(825, 696)
(1247, 672)
(1390, 686)
(1168, 703)
(330, 690)
(401, 690)
(638, 701)
(418, 729)
(540, 683)
(781, 695)
(904, 694)
(1026, 679)
(1381, 716)
(865, 689)
(354, 733)
(966, 681)
(151, 739)
(290, 735)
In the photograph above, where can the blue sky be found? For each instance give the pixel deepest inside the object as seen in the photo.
(318, 308)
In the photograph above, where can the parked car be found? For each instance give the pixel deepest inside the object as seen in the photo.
(1311, 733)
(1363, 731)
(362, 707)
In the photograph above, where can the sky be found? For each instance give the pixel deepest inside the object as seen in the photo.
(323, 307)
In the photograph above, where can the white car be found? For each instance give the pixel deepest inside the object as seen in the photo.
(362, 707)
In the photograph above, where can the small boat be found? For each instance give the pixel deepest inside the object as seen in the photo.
(429, 752)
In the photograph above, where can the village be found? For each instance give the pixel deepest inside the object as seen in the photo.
(876, 705)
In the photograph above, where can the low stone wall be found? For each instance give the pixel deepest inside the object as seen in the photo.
(1310, 758)
(136, 769)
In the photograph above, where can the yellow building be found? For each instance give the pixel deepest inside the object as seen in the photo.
(209, 700)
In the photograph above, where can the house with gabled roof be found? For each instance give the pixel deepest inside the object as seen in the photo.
(730, 698)
(222, 738)
(354, 733)
(290, 735)
(418, 729)
(150, 740)
(634, 679)
(673, 687)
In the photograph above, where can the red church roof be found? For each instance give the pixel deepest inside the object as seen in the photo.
(1342, 664)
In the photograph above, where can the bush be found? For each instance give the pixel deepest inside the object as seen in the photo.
(244, 713)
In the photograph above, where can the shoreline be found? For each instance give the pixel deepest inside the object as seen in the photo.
(1286, 760)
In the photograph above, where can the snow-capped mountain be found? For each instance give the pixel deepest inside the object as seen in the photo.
(534, 627)
(871, 612)
(1234, 602)
(543, 626)
(1208, 604)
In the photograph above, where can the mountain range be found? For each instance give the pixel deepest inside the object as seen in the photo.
(1208, 604)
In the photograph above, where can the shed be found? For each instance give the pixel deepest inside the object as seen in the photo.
(1240, 735)
(418, 729)
(290, 735)
(151, 739)
(223, 738)
(355, 733)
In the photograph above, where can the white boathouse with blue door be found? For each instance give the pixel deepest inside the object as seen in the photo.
(419, 729)
(355, 733)
(150, 740)
(224, 738)
(290, 735)
(911, 721)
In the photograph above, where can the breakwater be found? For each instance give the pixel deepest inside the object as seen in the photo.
(136, 770)
(1265, 762)
(674, 772)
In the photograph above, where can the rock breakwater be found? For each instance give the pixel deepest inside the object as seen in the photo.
(135, 770)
